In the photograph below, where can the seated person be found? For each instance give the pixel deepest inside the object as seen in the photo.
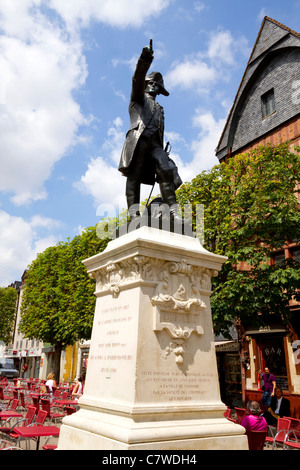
(253, 421)
(279, 407)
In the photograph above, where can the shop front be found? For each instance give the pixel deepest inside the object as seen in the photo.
(271, 346)
(32, 358)
(229, 370)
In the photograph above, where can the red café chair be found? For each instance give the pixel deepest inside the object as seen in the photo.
(292, 438)
(25, 421)
(227, 414)
(70, 410)
(51, 415)
(36, 402)
(40, 418)
(7, 445)
(5, 398)
(256, 439)
(56, 393)
(12, 405)
(39, 421)
(295, 424)
(240, 414)
(283, 426)
(23, 402)
(47, 446)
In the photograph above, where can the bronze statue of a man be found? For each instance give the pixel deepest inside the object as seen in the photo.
(143, 158)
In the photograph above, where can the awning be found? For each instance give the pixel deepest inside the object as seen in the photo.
(272, 326)
(227, 346)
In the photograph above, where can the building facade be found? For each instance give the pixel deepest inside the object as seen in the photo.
(266, 109)
(38, 356)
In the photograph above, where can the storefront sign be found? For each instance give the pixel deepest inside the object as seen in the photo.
(227, 346)
(273, 327)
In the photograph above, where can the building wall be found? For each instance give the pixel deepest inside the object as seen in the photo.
(279, 73)
(274, 64)
(288, 131)
(37, 355)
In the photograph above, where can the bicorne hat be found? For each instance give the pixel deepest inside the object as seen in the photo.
(157, 77)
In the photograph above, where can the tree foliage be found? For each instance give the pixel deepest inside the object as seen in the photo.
(8, 305)
(251, 209)
(58, 302)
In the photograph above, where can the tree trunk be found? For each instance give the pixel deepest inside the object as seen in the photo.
(56, 364)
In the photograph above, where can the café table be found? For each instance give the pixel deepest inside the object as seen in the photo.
(37, 432)
(66, 402)
(39, 394)
(10, 414)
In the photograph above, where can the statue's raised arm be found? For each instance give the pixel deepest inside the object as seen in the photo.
(142, 67)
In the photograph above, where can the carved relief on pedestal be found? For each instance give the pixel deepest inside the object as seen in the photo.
(117, 275)
(179, 307)
(178, 293)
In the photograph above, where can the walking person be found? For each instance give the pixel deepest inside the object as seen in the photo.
(268, 387)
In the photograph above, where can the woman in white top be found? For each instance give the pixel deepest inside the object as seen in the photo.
(78, 389)
(51, 383)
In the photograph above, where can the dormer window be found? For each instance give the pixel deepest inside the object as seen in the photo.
(268, 103)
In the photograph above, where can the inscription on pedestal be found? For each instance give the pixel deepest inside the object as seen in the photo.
(113, 348)
(175, 386)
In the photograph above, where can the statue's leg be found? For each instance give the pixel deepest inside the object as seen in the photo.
(133, 189)
(133, 183)
(165, 178)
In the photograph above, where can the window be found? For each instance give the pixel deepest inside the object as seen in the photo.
(268, 103)
(296, 255)
(279, 260)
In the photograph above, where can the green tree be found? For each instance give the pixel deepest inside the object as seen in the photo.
(251, 209)
(8, 305)
(58, 300)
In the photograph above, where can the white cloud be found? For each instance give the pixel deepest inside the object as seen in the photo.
(203, 147)
(115, 138)
(201, 70)
(262, 13)
(39, 118)
(102, 180)
(221, 47)
(199, 6)
(20, 243)
(226, 49)
(41, 65)
(190, 74)
(120, 13)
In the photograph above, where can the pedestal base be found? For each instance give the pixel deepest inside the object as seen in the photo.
(87, 430)
(152, 380)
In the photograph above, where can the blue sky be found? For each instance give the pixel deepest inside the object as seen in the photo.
(66, 68)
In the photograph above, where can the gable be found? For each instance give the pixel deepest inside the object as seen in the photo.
(270, 33)
(273, 40)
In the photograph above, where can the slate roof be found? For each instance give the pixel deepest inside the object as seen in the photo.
(270, 34)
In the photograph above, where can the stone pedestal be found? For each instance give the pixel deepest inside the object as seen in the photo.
(152, 380)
